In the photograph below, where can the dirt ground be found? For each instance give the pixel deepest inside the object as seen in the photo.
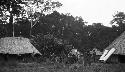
(44, 67)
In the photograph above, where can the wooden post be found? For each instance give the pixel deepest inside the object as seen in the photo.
(31, 26)
(13, 29)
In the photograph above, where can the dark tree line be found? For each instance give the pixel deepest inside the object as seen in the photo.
(76, 33)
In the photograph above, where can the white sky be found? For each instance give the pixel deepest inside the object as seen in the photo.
(93, 10)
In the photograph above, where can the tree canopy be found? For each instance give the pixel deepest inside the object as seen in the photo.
(55, 34)
(14, 11)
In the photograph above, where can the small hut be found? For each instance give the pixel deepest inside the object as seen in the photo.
(16, 48)
(116, 50)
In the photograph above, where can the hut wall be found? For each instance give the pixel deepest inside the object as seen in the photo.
(113, 59)
(16, 58)
(2, 57)
(121, 58)
(116, 58)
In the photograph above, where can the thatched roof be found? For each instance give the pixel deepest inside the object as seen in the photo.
(16, 45)
(116, 47)
(118, 44)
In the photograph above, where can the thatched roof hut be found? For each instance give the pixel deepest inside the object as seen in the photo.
(16, 45)
(116, 47)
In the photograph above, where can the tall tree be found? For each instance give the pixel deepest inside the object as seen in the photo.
(118, 18)
(22, 9)
(119, 22)
(13, 8)
(40, 7)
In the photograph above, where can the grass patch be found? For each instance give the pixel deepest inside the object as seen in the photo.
(58, 67)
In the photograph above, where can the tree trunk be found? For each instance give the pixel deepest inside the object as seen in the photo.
(10, 26)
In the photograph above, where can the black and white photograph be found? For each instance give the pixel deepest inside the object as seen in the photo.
(62, 36)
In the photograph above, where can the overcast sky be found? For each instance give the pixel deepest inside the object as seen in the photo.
(93, 11)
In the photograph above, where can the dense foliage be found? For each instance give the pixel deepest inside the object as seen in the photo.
(55, 34)
(75, 31)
